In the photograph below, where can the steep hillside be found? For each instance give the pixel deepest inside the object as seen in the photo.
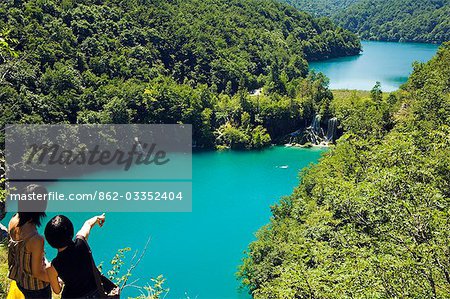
(398, 20)
(155, 61)
(371, 219)
(321, 7)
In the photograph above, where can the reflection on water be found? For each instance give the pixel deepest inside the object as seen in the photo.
(387, 62)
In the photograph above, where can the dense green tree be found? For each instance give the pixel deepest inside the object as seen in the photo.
(398, 20)
(370, 220)
(387, 20)
(154, 61)
(321, 7)
(376, 93)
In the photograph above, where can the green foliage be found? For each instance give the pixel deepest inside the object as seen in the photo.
(160, 62)
(398, 20)
(6, 46)
(371, 219)
(154, 289)
(4, 280)
(260, 138)
(321, 7)
(233, 137)
(117, 263)
(250, 121)
(387, 20)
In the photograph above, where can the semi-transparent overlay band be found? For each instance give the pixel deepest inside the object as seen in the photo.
(99, 168)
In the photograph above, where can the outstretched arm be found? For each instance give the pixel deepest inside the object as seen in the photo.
(89, 224)
(54, 281)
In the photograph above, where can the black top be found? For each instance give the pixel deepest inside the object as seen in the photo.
(74, 267)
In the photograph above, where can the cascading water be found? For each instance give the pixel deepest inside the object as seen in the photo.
(331, 130)
(315, 133)
(314, 130)
(316, 124)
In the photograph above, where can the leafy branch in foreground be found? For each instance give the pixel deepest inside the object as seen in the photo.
(154, 289)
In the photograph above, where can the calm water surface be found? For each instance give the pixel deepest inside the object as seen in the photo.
(198, 252)
(387, 62)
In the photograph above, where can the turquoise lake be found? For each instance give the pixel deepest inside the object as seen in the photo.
(387, 62)
(199, 252)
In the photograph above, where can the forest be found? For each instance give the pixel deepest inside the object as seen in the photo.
(386, 20)
(321, 7)
(398, 20)
(370, 220)
(154, 61)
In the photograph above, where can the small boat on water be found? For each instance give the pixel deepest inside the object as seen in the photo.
(283, 166)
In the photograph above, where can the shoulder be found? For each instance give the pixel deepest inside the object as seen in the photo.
(80, 242)
(35, 243)
(82, 246)
(13, 223)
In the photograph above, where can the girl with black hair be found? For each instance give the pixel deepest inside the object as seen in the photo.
(26, 261)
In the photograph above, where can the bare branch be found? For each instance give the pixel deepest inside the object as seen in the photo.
(134, 265)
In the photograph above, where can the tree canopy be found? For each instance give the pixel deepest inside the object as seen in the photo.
(321, 7)
(155, 61)
(386, 20)
(370, 220)
(398, 20)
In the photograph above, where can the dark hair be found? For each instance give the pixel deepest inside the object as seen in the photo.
(59, 231)
(32, 211)
(33, 217)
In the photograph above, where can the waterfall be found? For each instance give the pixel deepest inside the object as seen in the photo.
(316, 124)
(314, 130)
(316, 134)
(331, 130)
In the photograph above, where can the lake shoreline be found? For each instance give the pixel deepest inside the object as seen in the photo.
(389, 63)
(219, 222)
